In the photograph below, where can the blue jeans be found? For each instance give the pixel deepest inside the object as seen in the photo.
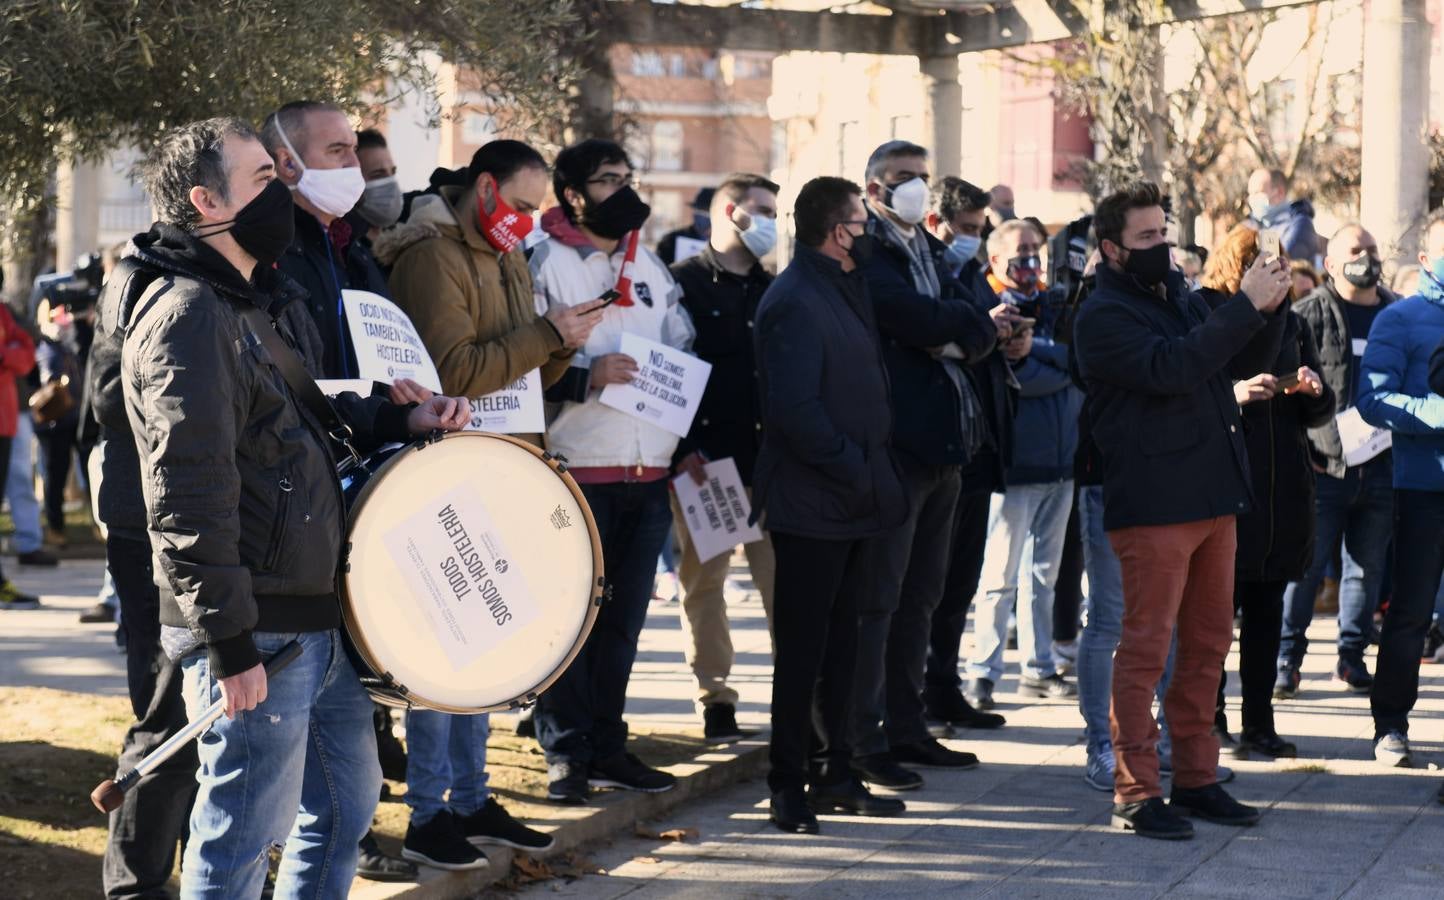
(20, 488)
(1359, 509)
(298, 771)
(1104, 606)
(580, 718)
(444, 750)
(1027, 514)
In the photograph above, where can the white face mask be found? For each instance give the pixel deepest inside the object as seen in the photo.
(909, 200)
(1259, 204)
(759, 237)
(332, 191)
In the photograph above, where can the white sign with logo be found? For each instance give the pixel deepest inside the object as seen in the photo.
(686, 248)
(667, 388)
(1361, 441)
(515, 409)
(333, 386)
(387, 345)
(716, 512)
(451, 557)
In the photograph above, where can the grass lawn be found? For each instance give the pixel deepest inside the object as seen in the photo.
(57, 746)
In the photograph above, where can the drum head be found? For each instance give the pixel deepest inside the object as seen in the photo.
(471, 573)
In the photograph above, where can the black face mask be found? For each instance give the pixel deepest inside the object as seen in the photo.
(264, 227)
(862, 247)
(617, 215)
(1150, 265)
(1363, 271)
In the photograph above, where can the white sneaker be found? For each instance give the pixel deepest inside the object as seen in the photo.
(1392, 750)
(1101, 769)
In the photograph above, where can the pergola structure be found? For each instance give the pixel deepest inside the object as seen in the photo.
(1395, 175)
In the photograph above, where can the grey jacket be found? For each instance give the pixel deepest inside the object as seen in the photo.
(241, 500)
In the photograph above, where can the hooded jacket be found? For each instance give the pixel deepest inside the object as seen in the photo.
(239, 487)
(1295, 222)
(474, 308)
(567, 269)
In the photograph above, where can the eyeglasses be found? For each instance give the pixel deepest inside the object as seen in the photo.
(615, 180)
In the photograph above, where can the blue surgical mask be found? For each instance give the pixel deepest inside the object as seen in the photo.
(1431, 285)
(759, 237)
(966, 246)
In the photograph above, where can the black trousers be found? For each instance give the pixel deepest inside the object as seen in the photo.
(970, 535)
(1068, 592)
(895, 620)
(58, 445)
(1261, 609)
(814, 620)
(1418, 564)
(145, 830)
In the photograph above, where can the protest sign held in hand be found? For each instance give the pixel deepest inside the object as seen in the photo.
(667, 388)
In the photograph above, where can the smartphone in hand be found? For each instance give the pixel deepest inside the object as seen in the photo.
(1268, 243)
(1286, 383)
(607, 299)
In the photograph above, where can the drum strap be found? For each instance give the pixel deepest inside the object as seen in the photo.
(303, 386)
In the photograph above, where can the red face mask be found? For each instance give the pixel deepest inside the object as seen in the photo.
(505, 228)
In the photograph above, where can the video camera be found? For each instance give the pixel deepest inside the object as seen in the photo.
(79, 290)
(1068, 251)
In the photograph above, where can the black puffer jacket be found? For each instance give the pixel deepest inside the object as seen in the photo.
(240, 493)
(1276, 539)
(1323, 316)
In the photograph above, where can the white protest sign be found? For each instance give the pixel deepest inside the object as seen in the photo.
(667, 388)
(515, 409)
(716, 513)
(1361, 441)
(686, 248)
(451, 558)
(387, 345)
(333, 386)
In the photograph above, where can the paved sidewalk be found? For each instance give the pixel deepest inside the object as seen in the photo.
(1023, 825)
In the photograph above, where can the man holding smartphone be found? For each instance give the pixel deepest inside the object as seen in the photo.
(1156, 362)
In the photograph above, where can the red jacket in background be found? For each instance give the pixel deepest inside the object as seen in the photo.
(17, 358)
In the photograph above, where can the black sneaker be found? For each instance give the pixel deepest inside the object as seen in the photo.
(1212, 804)
(38, 558)
(934, 755)
(719, 723)
(883, 771)
(97, 615)
(526, 723)
(12, 597)
(374, 865)
(980, 693)
(1355, 674)
(1264, 743)
(493, 825)
(1286, 686)
(1151, 818)
(1053, 687)
(851, 798)
(628, 773)
(567, 783)
(440, 844)
(952, 708)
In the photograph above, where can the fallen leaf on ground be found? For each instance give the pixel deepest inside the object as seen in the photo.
(670, 834)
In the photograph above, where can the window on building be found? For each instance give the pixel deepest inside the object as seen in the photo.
(677, 65)
(668, 153)
(647, 64)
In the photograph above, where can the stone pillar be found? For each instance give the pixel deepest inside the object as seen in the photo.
(944, 113)
(77, 212)
(1394, 193)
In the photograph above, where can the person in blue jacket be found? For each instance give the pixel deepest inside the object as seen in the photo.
(1398, 393)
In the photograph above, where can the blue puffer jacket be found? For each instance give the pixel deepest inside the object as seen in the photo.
(1045, 432)
(1396, 393)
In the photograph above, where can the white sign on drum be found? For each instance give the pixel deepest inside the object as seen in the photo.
(451, 557)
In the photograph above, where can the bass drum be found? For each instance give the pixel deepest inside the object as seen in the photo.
(472, 572)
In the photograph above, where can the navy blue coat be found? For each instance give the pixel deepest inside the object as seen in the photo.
(927, 417)
(826, 468)
(1159, 376)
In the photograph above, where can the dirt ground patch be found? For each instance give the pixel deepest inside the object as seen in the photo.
(56, 746)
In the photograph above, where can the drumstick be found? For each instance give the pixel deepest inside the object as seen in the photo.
(110, 793)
